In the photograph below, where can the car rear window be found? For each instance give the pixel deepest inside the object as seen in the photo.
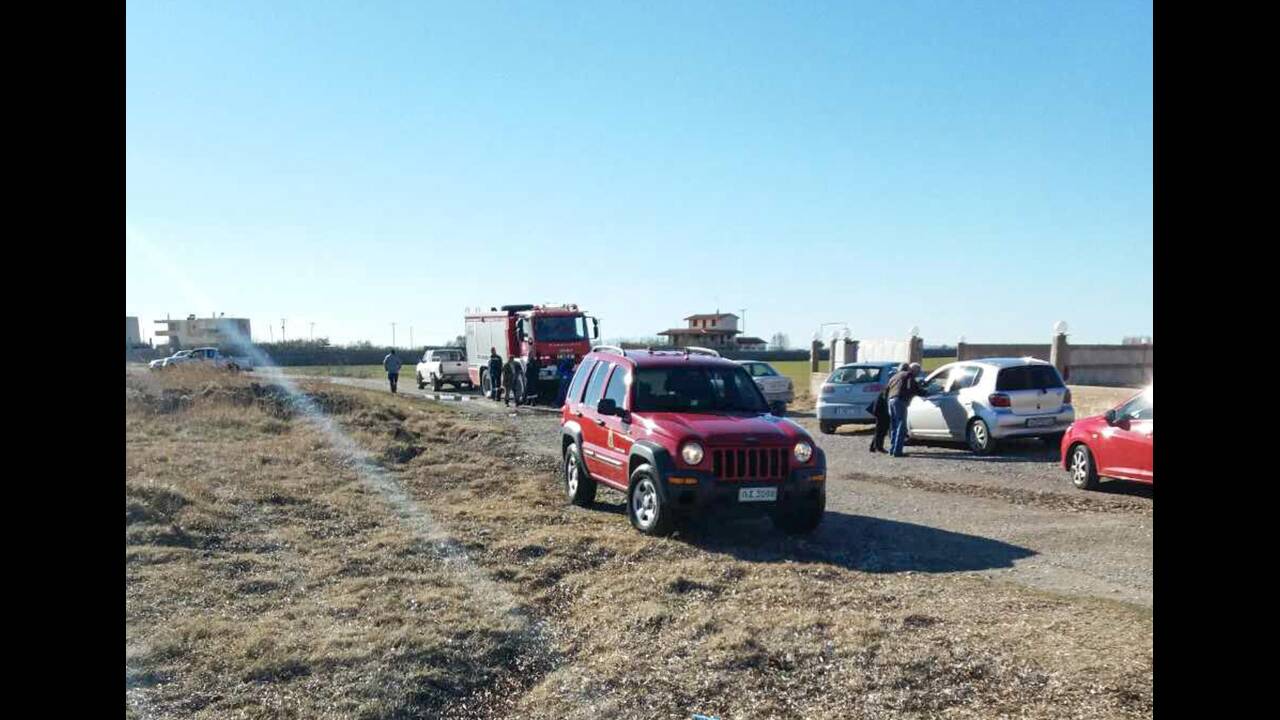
(857, 375)
(1028, 377)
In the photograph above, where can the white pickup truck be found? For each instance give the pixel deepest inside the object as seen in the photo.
(443, 366)
(203, 356)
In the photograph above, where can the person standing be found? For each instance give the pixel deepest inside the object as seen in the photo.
(391, 363)
(880, 410)
(495, 374)
(531, 380)
(564, 371)
(903, 386)
(509, 372)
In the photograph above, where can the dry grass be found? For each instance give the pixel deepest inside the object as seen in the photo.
(267, 575)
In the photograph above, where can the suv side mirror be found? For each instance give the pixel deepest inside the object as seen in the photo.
(607, 406)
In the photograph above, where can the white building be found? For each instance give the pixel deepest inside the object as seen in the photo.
(196, 332)
(715, 330)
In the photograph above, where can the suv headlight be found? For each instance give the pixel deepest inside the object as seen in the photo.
(803, 451)
(691, 453)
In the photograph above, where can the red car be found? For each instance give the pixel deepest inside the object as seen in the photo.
(683, 433)
(1117, 444)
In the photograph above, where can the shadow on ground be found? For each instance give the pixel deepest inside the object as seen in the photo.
(855, 542)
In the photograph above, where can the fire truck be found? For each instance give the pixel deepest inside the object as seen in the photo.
(528, 333)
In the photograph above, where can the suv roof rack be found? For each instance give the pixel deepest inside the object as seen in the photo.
(609, 348)
(695, 350)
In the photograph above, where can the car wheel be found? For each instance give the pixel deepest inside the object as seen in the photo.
(486, 384)
(435, 383)
(979, 437)
(801, 518)
(421, 384)
(827, 427)
(1083, 473)
(645, 507)
(578, 484)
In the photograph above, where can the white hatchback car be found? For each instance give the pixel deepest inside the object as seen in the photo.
(848, 391)
(777, 388)
(982, 402)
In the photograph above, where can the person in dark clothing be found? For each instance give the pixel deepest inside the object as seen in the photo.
(530, 381)
(880, 409)
(903, 386)
(509, 372)
(495, 374)
(564, 372)
(391, 363)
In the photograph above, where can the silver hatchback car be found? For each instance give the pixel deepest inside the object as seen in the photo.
(982, 402)
(848, 391)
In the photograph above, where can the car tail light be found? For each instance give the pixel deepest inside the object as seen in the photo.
(1066, 397)
(875, 388)
(998, 400)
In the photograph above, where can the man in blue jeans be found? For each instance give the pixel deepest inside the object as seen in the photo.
(902, 387)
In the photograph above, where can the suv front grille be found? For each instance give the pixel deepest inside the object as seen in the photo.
(749, 463)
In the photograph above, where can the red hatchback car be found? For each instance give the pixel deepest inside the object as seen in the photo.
(683, 433)
(1118, 444)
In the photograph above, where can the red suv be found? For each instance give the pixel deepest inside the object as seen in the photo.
(683, 433)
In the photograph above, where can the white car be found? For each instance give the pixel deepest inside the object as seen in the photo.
(777, 388)
(443, 366)
(982, 402)
(203, 356)
(848, 391)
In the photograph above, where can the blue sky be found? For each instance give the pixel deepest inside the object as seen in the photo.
(971, 168)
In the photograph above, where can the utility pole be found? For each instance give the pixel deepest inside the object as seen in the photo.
(393, 335)
(744, 319)
(282, 330)
(313, 330)
(410, 337)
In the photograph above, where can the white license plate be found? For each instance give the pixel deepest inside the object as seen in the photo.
(1039, 422)
(757, 494)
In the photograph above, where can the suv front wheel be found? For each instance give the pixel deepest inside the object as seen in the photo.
(578, 484)
(645, 507)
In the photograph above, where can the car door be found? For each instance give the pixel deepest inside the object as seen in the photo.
(925, 414)
(617, 443)
(594, 434)
(1129, 443)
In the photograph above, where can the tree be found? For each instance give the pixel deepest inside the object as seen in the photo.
(780, 341)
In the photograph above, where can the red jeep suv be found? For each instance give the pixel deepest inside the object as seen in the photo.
(684, 433)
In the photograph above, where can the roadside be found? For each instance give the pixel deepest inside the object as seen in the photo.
(266, 571)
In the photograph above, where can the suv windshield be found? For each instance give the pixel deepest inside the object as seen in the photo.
(697, 389)
(560, 329)
(1028, 377)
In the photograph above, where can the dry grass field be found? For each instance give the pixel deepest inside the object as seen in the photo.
(407, 561)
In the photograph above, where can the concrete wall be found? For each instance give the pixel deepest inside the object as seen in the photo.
(973, 351)
(1110, 365)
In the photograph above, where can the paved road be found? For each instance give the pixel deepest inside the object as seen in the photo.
(1013, 517)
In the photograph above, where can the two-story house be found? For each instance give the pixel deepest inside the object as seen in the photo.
(715, 330)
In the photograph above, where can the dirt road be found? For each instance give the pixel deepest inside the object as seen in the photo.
(1013, 517)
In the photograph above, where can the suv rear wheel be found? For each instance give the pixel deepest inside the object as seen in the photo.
(645, 507)
(578, 484)
(800, 518)
(420, 383)
(435, 383)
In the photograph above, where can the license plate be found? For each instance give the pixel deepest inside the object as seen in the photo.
(1039, 422)
(757, 494)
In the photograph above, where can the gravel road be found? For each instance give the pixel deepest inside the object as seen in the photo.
(1013, 517)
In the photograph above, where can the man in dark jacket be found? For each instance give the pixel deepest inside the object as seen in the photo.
(391, 363)
(903, 386)
(564, 373)
(495, 374)
(880, 409)
(509, 372)
(530, 381)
